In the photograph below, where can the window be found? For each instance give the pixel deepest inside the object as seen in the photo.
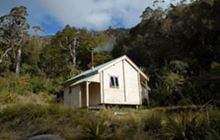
(114, 82)
(70, 90)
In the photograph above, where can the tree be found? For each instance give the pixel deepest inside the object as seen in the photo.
(54, 62)
(68, 40)
(13, 35)
(76, 45)
(37, 29)
(184, 41)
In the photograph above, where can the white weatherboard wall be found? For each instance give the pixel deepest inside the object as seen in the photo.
(131, 82)
(66, 97)
(128, 91)
(113, 95)
(94, 78)
(72, 98)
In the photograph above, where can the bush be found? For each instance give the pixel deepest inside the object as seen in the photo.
(95, 130)
(12, 84)
(186, 126)
(38, 99)
(24, 112)
(214, 116)
(152, 123)
(8, 98)
(23, 120)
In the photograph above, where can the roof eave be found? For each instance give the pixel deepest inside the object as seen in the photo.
(70, 81)
(129, 61)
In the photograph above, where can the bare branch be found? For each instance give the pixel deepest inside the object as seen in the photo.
(61, 45)
(4, 54)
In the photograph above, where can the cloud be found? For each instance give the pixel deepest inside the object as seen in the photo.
(95, 14)
(90, 14)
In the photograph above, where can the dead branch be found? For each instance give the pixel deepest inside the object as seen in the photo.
(4, 54)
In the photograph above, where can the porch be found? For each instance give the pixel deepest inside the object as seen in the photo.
(84, 94)
(90, 94)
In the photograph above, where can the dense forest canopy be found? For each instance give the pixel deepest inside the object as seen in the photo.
(177, 47)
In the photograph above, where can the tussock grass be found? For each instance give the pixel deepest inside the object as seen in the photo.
(8, 99)
(30, 119)
(19, 121)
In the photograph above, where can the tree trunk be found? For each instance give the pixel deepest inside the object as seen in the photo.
(18, 62)
(72, 49)
(74, 58)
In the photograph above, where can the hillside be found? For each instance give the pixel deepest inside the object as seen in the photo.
(177, 47)
(23, 121)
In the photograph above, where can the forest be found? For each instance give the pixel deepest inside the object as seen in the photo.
(177, 47)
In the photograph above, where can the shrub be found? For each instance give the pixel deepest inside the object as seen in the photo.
(95, 130)
(23, 111)
(8, 98)
(152, 123)
(186, 126)
(212, 135)
(12, 84)
(214, 116)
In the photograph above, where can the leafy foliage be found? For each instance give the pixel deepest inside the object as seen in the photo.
(178, 49)
(186, 126)
(13, 35)
(83, 124)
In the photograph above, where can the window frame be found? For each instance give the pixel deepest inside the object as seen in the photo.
(114, 82)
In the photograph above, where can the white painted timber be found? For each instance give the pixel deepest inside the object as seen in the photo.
(72, 96)
(131, 82)
(66, 97)
(114, 95)
(128, 90)
(93, 86)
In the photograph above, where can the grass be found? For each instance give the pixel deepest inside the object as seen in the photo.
(27, 119)
(20, 121)
(186, 126)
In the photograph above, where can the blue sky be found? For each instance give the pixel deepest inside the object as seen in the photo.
(53, 15)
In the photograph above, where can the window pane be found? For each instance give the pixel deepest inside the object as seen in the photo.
(70, 90)
(116, 82)
(111, 82)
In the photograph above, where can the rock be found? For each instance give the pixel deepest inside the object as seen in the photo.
(120, 113)
(46, 137)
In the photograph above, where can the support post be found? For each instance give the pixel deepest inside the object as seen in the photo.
(147, 93)
(139, 88)
(87, 94)
(80, 98)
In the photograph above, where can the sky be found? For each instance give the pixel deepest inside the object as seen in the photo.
(53, 15)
